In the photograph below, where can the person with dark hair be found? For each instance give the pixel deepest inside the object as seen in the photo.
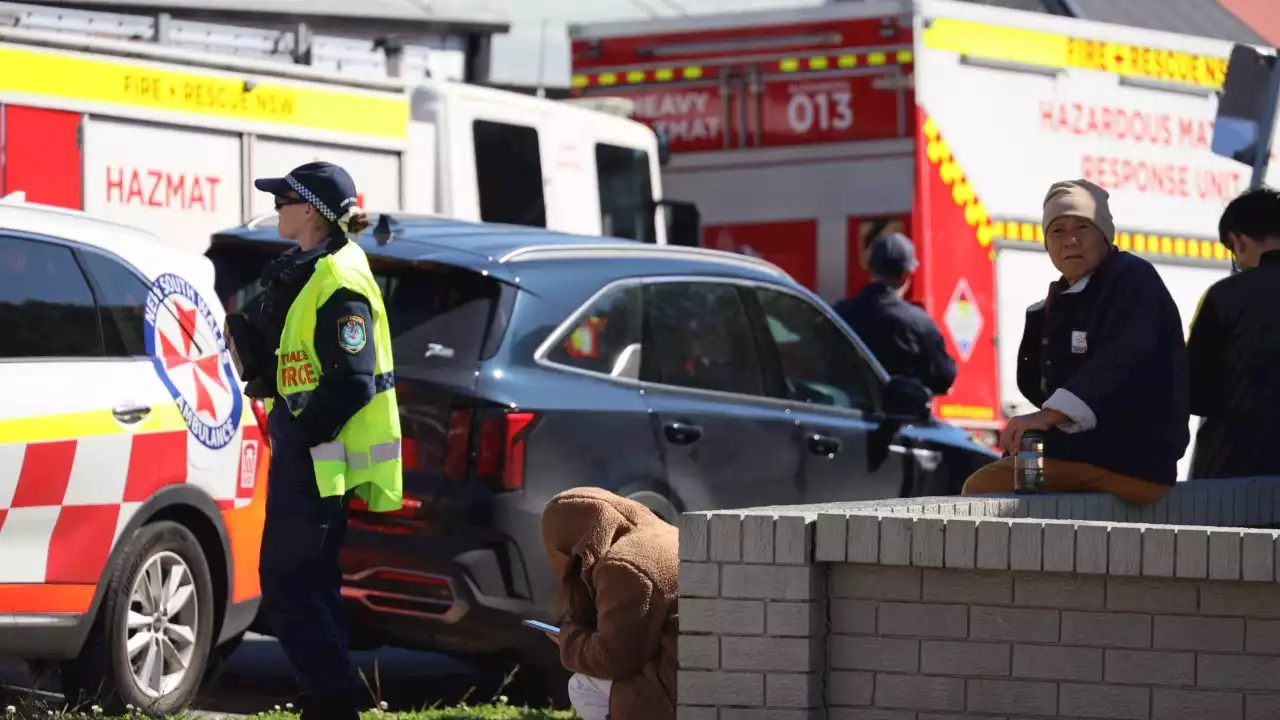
(1104, 359)
(1234, 347)
(901, 335)
(317, 348)
(616, 562)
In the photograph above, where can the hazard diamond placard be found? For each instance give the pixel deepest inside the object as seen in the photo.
(963, 319)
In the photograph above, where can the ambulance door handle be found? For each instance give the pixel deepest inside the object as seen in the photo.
(131, 413)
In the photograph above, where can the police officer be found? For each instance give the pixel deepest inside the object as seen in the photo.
(320, 343)
(902, 336)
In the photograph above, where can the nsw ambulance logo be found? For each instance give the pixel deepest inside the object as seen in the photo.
(191, 357)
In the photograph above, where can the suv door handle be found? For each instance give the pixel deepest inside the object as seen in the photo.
(679, 433)
(131, 413)
(820, 444)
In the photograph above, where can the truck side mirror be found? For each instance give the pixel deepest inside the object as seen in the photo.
(664, 148)
(684, 223)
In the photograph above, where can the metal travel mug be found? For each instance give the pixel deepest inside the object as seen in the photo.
(1028, 464)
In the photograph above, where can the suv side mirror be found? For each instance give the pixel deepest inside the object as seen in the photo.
(684, 223)
(907, 399)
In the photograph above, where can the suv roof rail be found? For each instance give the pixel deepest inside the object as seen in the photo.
(593, 250)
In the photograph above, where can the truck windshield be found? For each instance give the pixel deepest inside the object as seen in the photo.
(626, 193)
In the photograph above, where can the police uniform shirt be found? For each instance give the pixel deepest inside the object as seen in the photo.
(343, 343)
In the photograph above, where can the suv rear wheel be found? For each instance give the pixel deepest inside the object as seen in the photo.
(151, 639)
(657, 502)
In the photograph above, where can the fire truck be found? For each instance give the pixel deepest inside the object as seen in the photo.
(168, 138)
(802, 134)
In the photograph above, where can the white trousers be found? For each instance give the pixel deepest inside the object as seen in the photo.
(590, 696)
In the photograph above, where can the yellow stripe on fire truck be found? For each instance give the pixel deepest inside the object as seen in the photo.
(1045, 49)
(807, 64)
(1152, 244)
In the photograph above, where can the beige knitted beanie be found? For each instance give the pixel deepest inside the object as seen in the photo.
(1080, 198)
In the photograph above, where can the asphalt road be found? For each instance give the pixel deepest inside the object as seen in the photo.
(258, 677)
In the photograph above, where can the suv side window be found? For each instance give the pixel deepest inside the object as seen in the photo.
(700, 337)
(122, 297)
(46, 307)
(606, 337)
(819, 363)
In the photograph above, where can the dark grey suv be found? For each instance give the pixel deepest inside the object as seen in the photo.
(528, 362)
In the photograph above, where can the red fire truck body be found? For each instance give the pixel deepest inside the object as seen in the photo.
(800, 134)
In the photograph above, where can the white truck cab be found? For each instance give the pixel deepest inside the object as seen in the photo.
(169, 139)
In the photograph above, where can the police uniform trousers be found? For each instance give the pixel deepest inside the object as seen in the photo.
(300, 574)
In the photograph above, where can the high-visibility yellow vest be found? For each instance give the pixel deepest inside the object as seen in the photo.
(366, 454)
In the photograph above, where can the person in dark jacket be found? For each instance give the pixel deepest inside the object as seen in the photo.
(303, 532)
(901, 335)
(1104, 359)
(1234, 348)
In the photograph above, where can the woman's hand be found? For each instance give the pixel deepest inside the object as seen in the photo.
(1011, 436)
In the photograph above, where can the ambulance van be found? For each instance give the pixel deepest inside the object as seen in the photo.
(132, 466)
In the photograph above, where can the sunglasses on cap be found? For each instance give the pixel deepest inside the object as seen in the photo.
(283, 201)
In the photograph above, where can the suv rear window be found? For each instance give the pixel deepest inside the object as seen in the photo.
(441, 317)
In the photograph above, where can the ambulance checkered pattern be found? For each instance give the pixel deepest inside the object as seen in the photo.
(64, 503)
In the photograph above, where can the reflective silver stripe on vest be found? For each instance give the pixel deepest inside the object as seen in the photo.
(382, 452)
(357, 461)
(329, 451)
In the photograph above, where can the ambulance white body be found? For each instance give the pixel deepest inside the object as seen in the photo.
(170, 140)
(132, 467)
(798, 132)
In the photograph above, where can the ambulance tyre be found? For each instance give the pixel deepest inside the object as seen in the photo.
(159, 604)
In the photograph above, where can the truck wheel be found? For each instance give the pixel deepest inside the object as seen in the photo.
(151, 638)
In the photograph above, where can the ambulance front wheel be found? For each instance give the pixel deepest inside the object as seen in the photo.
(150, 642)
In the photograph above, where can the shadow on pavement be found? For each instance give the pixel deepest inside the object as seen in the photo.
(258, 676)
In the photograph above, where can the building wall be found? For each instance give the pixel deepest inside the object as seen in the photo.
(912, 616)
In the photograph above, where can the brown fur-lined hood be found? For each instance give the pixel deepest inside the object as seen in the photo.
(582, 524)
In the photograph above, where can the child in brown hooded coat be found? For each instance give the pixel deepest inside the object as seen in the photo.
(617, 563)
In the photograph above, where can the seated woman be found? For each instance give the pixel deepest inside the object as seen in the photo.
(617, 563)
(1103, 356)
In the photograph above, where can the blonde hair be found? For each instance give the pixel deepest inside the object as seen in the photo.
(355, 221)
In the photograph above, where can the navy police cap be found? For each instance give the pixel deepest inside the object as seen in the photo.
(327, 187)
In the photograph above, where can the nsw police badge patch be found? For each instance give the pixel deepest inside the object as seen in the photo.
(351, 334)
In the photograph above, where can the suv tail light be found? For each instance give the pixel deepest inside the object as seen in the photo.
(457, 438)
(499, 447)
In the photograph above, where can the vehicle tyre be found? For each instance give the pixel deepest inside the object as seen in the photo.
(655, 501)
(152, 637)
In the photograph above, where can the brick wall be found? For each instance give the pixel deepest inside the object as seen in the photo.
(861, 616)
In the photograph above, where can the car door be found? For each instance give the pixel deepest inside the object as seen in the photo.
(72, 403)
(848, 452)
(726, 443)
